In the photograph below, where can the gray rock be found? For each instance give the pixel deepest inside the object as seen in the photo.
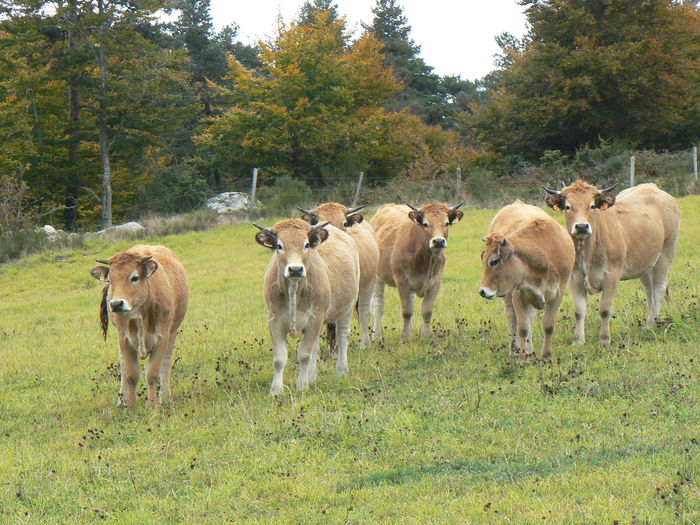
(52, 234)
(228, 202)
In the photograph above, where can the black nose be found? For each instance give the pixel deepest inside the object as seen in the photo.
(296, 271)
(582, 227)
(439, 243)
(117, 305)
(482, 293)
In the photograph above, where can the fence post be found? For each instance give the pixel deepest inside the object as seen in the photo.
(631, 171)
(357, 190)
(695, 162)
(253, 188)
(458, 192)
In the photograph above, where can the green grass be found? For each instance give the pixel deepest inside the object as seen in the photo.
(448, 430)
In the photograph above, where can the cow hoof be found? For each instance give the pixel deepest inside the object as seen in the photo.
(577, 342)
(605, 341)
(341, 368)
(275, 390)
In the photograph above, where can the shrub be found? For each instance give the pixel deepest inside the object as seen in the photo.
(279, 199)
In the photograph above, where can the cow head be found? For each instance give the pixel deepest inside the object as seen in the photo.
(434, 219)
(127, 275)
(292, 240)
(338, 215)
(581, 204)
(499, 277)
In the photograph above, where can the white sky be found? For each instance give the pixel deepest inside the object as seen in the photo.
(456, 36)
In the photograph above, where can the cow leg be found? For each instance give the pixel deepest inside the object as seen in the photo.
(512, 323)
(647, 279)
(378, 309)
(305, 352)
(363, 306)
(578, 290)
(407, 298)
(165, 368)
(313, 370)
(427, 306)
(155, 362)
(605, 307)
(279, 356)
(661, 269)
(343, 330)
(548, 319)
(523, 316)
(130, 372)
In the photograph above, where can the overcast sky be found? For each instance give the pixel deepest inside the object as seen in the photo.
(456, 36)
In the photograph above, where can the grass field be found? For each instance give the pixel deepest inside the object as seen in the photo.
(440, 430)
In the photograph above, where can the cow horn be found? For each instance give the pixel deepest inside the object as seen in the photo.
(103, 261)
(609, 188)
(305, 212)
(321, 226)
(412, 206)
(563, 184)
(262, 228)
(458, 206)
(147, 258)
(351, 211)
(551, 191)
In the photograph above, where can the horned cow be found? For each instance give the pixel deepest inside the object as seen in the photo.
(351, 222)
(528, 261)
(631, 236)
(146, 300)
(312, 279)
(412, 242)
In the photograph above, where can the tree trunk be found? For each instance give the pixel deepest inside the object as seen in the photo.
(70, 214)
(104, 143)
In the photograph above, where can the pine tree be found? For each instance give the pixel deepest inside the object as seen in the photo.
(311, 8)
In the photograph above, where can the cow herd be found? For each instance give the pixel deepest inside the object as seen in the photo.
(330, 262)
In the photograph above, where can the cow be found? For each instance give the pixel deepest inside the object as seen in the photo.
(528, 261)
(312, 280)
(146, 299)
(351, 222)
(412, 244)
(631, 236)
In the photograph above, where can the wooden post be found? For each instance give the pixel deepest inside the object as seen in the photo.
(458, 191)
(695, 162)
(631, 171)
(253, 188)
(357, 191)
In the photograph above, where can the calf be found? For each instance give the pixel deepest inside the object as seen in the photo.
(412, 244)
(146, 299)
(528, 260)
(312, 279)
(631, 236)
(351, 222)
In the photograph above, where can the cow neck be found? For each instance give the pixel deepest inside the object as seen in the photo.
(589, 248)
(425, 260)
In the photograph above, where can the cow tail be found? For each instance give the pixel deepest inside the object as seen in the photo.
(668, 292)
(104, 315)
(330, 335)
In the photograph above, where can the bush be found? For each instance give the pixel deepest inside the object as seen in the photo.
(176, 188)
(17, 237)
(279, 199)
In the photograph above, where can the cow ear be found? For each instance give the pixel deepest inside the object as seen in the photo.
(455, 216)
(603, 201)
(267, 239)
(101, 273)
(149, 268)
(555, 201)
(310, 218)
(353, 219)
(416, 217)
(316, 237)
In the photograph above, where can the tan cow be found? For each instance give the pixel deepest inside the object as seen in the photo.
(146, 297)
(351, 222)
(412, 257)
(528, 261)
(632, 236)
(312, 279)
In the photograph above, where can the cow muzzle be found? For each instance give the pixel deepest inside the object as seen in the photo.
(487, 293)
(438, 243)
(581, 229)
(120, 306)
(295, 271)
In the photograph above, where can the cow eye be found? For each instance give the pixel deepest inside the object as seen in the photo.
(494, 262)
(280, 247)
(567, 207)
(134, 279)
(424, 224)
(593, 206)
(306, 244)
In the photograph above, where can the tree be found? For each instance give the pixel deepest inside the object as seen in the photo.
(597, 69)
(312, 8)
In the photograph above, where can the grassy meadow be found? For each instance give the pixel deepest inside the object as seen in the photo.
(441, 430)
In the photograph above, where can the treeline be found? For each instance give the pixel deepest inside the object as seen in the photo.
(108, 111)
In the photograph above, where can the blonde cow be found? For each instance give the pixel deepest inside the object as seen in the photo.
(351, 222)
(412, 244)
(312, 280)
(146, 299)
(631, 236)
(528, 261)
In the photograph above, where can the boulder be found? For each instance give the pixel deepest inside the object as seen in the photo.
(228, 202)
(52, 234)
